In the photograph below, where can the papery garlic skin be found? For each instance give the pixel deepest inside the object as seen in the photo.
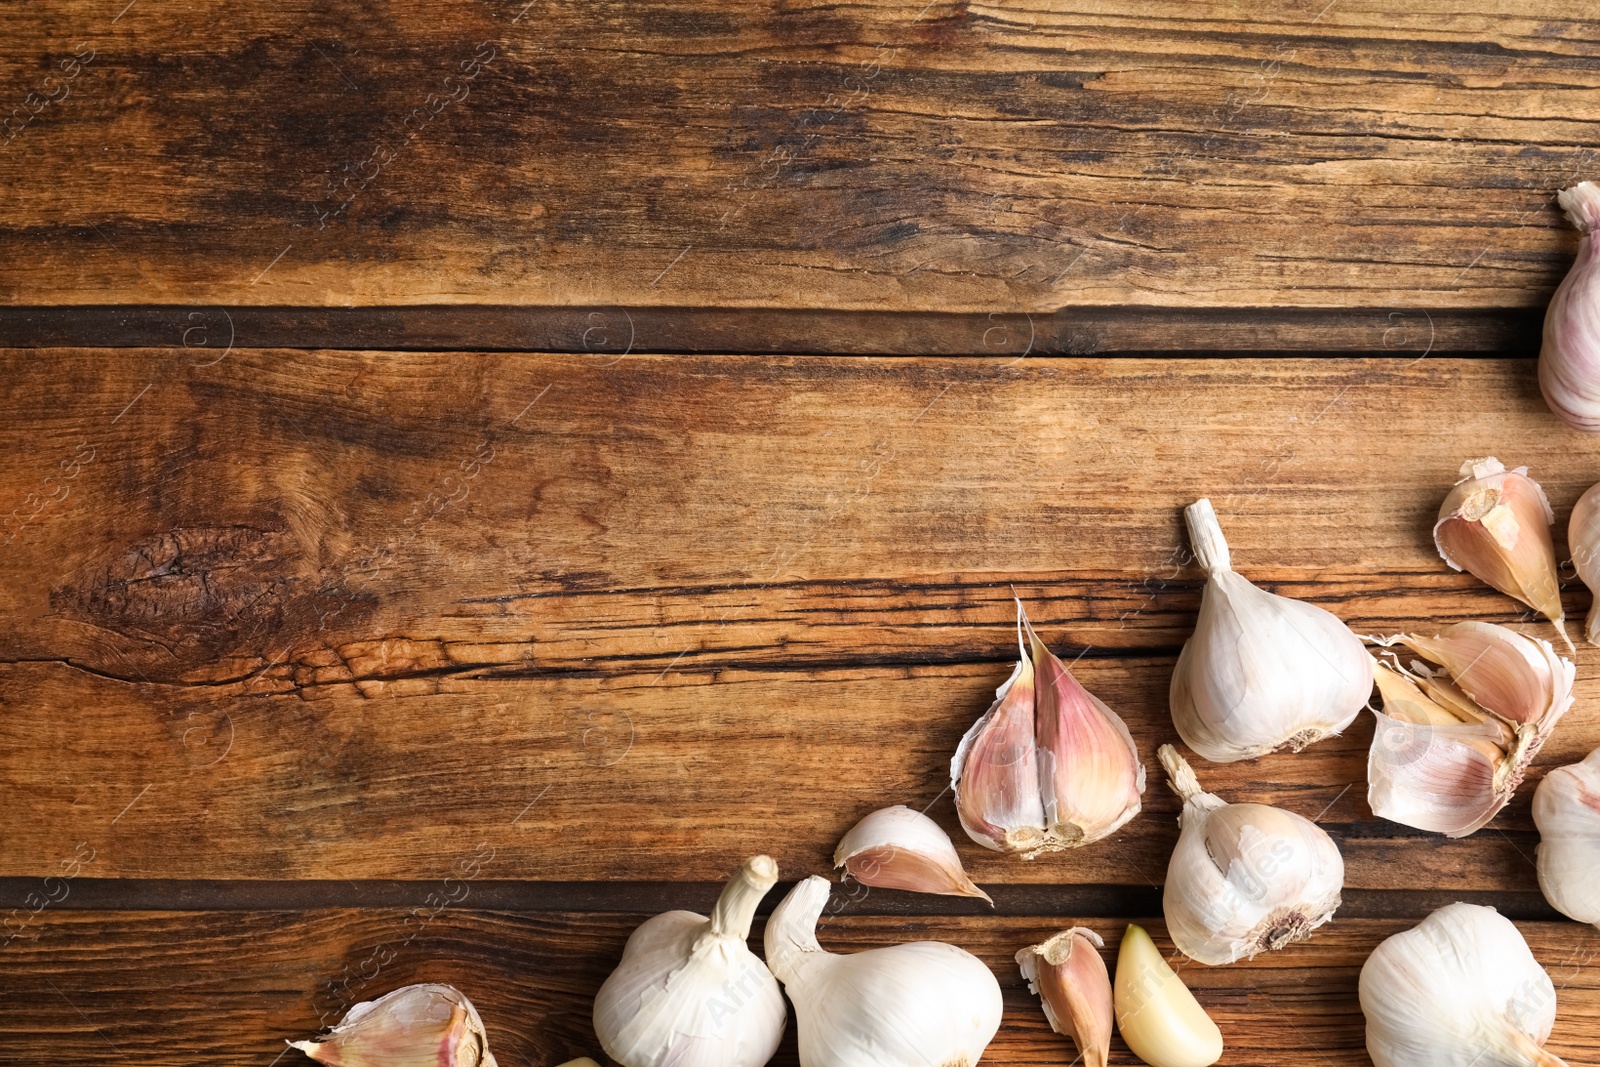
(1074, 988)
(1049, 766)
(424, 1025)
(1244, 878)
(1569, 359)
(689, 992)
(1495, 524)
(1458, 990)
(1159, 1019)
(1261, 672)
(897, 848)
(1583, 540)
(1566, 809)
(912, 1005)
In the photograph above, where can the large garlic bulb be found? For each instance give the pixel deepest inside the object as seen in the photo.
(1583, 541)
(424, 1025)
(1459, 990)
(1244, 877)
(689, 992)
(1261, 672)
(1569, 361)
(1566, 808)
(912, 1005)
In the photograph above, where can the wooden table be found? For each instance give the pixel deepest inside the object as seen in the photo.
(477, 471)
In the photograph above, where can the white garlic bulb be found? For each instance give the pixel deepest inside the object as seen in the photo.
(1566, 808)
(907, 1005)
(689, 992)
(1583, 540)
(1460, 989)
(1244, 878)
(1569, 360)
(1261, 672)
(415, 1026)
(897, 848)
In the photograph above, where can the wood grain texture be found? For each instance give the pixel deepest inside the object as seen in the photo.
(230, 988)
(345, 614)
(956, 157)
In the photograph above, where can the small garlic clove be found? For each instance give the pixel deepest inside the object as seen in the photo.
(1569, 359)
(995, 771)
(1070, 978)
(1495, 524)
(1157, 1016)
(1516, 677)
(1583, 540)
(581, 1061)
(898, 848)
(1566, 809)
(414, 1026)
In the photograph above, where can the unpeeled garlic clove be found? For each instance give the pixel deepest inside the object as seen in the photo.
(897, 848)
(1261, 672)
(1566, 809)
(1569, 359)
(1495, 524)
(1583, 539)
(1069, 976)
(414, 1026)
(1049, 766)
(1161, 1021)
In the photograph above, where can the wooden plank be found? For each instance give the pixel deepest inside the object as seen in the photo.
(712, 604)
(958, 157)
(231, 987)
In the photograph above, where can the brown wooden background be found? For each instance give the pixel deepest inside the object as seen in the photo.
(472, 473)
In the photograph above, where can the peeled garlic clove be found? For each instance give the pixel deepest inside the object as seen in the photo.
(908, 1005)
(689, 992)
(1566, 808)
(1157, 1016)
(1261, 672)
(1495, 524)
(1070, 978)
(1244, 878)
(1460, 988)
(1569, 360)
(995, 771)
(1583, 539)
(897, 848)
(581, 1061)
(1517, 678)
(415, 1026)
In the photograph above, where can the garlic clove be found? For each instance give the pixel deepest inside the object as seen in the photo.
(581, 1061)
(1518, 678)
(1070, 978)
(1583, 540)
(1566, 809)
(1157, 1016)
(1495, 524)
(995, 771)
(1261, 672)
(897, 848)
(1569, 359)
(414, 1026)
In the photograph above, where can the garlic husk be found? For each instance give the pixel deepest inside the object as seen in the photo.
(1069, 976)
(1455, 738)
(1459, 989)
(908, 1005)
(1049, 766)
(897, 848)
(424, 1025)
(1261, 672)
(1569, 359)
(1583, 540)
(1244, 878)
(1566, 808)
(1495, 524)
(689, 992)
(1159, 1019)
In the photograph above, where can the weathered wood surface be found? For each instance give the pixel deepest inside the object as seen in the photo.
(336, 615)
(954, 156)
(230, 987)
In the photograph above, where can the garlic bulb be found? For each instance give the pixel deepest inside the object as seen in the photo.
(1495, 524)
(1454, 739)
(1261, 672)
(1244, 877)
(415, 1026)
(1157, 1016)
(1569, 360)
(907, 1005)
(897, 848)
(1070, 978)
(1583, 540)
(1566, 808)
(1048, 767)
(689, 992)
(1458, 990)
